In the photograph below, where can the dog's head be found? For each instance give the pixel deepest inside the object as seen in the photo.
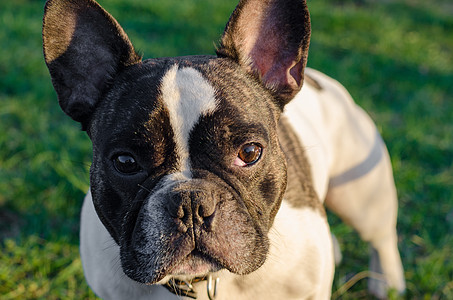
(187, 172)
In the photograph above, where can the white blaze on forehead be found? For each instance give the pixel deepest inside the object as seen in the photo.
(187, 96)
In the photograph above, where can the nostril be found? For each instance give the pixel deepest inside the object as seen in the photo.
(203, 203)
(175, 206)
(178, 208)
(209, 222)
(206, 211)
(190, 206)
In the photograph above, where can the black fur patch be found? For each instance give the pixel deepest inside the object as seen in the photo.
(300, 191)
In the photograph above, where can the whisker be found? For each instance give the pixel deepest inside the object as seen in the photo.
(142, 187)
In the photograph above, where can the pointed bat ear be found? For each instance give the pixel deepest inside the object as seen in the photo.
(84, 48)
(270, 39)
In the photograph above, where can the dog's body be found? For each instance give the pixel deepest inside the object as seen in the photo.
(219, 166)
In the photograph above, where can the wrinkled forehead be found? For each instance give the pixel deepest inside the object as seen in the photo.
(181, 92)
(187, 96)
(201, 83)
(192, 91)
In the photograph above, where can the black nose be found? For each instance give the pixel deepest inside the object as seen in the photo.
(192, 207)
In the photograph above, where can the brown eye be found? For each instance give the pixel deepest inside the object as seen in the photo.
(250, 153)
(126, 164)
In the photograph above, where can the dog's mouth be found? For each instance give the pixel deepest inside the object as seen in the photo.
(173, 255)
(179, 262)
(193, 265)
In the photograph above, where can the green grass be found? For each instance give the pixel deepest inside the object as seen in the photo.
(395, 57)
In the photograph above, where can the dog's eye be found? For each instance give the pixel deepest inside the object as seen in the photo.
(126, 164)
(248, 155)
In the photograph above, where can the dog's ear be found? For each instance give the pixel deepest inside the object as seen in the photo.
(270, 39)
(84, 48)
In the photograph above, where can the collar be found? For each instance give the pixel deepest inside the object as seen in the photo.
(185, 288)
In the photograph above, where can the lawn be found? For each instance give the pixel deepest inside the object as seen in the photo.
(395, 57)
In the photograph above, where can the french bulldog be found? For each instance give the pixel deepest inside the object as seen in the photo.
(210, 174)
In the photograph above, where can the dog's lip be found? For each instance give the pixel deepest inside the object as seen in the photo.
(194, 264)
